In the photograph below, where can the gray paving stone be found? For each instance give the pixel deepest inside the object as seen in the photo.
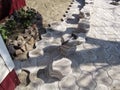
(20, 87)
(65, 38)
(68, 83)
(36, 52)
(104, 66)
(115, 85)
(86, 81)
(114, 72)
(80, 48)
(34, 79)
(33, 86)
(83, 88)
(50, 86)
(88, 67)
(101, 87)
(102, 77)
(90, 46)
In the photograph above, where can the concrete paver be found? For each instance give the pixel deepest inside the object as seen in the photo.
(86, 81)
(115, 85)
(68, 83)
(101, 87)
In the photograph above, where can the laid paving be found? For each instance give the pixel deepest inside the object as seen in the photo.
(96, 61)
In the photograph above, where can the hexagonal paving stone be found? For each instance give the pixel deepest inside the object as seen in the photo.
(101, 77)
(104, 66)
(68, 83)
(88, 67)
(101, 87)
(50, 86)
(83, 88)
(86, 81)
(114, 72)
(115, 85)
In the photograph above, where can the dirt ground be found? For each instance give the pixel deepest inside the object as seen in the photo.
(51, 10)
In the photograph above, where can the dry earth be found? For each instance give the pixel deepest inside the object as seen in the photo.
(51, 10)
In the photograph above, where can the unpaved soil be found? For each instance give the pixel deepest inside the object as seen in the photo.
(51, 10)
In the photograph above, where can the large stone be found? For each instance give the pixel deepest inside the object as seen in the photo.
(42, 44)
(60, 68)
(47, 37)
(89, 67)
(31, 41)
(115, 85)
(35, 79)
(20, 42)
(68, 83)
(15, 43)
(36, 52)
(81, 15)
(83, 26)
(50, 86)
(22, 56)
(20, 37)
(102, 77)
(65, 38)
(23, 48)
(86, 82)
(28, 47)
(19, 51)
(114, 72)
(24, 78)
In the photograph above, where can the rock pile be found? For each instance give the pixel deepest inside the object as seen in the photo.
(23, 43)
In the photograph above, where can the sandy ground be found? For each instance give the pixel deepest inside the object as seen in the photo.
(51, 10)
